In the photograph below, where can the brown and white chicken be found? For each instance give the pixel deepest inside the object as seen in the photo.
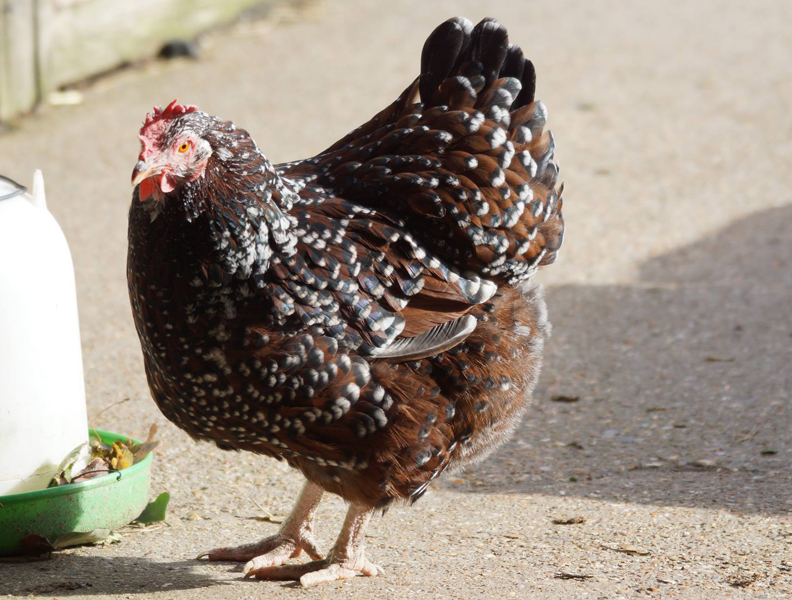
(364, 314)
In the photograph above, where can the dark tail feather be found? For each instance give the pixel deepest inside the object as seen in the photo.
(440, 52)
(482, 54)
(528, 81)
(490, 46)
(514, 63)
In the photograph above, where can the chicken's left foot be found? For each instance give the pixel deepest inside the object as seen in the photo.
(321, 571)
(347, 559)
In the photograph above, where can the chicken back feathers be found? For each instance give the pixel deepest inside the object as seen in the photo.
(363, 314)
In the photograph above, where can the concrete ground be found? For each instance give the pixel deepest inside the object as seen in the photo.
(671, 305)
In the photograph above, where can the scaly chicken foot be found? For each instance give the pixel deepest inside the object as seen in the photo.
(294, 537)
(347, 559)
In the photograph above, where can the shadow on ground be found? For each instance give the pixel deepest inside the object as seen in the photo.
(677, 388)
(71, 574)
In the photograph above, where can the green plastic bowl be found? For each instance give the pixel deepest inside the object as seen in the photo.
(105, 502)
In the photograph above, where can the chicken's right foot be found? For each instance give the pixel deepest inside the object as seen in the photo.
(295, 536)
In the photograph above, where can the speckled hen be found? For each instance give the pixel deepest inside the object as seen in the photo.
(365, 314)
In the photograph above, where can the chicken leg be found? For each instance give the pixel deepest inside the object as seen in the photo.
(347, 558)
(295, 536)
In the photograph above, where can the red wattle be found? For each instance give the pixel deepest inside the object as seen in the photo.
(146, 189)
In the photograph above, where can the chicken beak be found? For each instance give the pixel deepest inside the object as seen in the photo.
(143, 171)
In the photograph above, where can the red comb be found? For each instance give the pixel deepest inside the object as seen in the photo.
(171, 111)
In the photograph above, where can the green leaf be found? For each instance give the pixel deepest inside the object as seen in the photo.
(155, 511)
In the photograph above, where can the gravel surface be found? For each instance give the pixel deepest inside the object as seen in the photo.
(655, 461)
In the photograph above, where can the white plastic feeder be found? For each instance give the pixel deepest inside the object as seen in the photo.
(42, 391)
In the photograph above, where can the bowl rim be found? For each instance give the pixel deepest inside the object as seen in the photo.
(96, 482)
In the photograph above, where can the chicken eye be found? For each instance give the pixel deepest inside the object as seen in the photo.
(184, 147)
